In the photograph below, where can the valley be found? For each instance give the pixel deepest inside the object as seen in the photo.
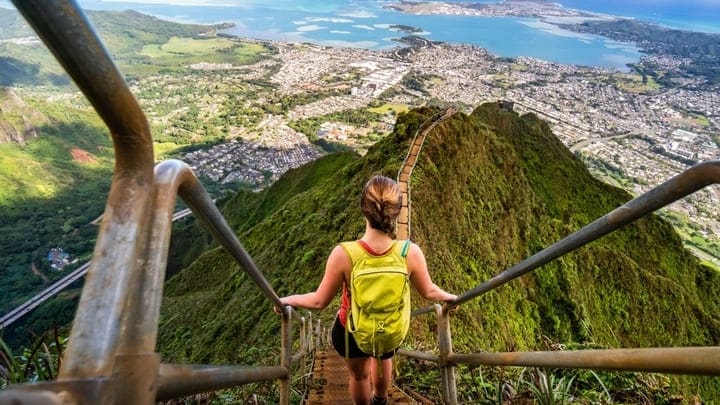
(258, 119)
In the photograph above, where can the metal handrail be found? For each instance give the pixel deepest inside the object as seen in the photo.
(685, 360)
(691, 180)
(114, 333)
(685, 183)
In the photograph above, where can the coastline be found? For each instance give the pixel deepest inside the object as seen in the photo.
(530, 8)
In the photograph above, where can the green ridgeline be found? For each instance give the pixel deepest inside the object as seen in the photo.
(140, 45)
(489, 190)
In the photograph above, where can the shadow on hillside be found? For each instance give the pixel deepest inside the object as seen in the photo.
(15, 72)
(30, 225)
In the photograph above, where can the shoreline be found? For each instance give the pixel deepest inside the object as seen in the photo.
(529, 8)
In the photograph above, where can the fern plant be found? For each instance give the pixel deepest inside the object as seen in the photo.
(40, 362)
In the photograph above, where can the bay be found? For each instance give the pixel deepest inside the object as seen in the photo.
(366, 24)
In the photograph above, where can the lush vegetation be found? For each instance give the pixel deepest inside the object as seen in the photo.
(701, 49)
(38, 362)
(56, 154)
(50, 190)
(361, 117)
(140, 44)
(490, 189)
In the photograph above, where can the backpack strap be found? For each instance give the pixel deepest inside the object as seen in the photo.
(405, 248)
(353, 250)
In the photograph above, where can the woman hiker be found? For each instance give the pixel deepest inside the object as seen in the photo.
(380, 204)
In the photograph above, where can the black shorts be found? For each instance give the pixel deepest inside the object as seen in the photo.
(338, 341)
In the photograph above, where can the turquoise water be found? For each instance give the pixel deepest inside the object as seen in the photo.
(365, 24)
(691, 15)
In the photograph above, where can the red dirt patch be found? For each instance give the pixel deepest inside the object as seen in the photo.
(81, 156)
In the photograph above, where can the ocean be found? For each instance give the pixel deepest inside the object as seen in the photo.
(690, 15)
(366, 24)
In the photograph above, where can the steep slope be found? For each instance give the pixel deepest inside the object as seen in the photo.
(25, 61)
(18, 121)
(489, 189)
(248, 208)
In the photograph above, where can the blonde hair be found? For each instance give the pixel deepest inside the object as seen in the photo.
(380, 203)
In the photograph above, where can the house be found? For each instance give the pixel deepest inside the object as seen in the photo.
(58, 258)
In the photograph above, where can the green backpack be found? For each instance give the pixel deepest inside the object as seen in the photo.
(379, 316)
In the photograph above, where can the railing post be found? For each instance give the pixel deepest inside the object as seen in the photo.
(304, 345)
(447, 370)
(286, 353)
(319, 338)
(311, 335)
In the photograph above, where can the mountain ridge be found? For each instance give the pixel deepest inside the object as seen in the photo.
(490, 188)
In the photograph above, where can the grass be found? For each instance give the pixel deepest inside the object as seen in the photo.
(250, 51)
(701, 120)
(634, 83)
(22, 176)
(163, 150)
(187, 46)
(212, 50)
(39, 362)
(389, 107)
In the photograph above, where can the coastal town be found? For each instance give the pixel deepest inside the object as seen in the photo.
(640, 132)
(246, 123)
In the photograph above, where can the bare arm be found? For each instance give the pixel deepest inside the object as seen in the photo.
(337, 265)
(417, 266)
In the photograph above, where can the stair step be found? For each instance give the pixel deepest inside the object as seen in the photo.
(329, 383)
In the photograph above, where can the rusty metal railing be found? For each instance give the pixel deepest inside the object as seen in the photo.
(111, 353)
(679, 360)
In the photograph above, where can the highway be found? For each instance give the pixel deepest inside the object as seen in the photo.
(27, 306)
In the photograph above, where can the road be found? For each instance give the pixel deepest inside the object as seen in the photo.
(34, 302)
(43, 296)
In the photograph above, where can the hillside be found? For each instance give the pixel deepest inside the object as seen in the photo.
(56, 155)
(18, 121)
(490, 189)
(127, 34)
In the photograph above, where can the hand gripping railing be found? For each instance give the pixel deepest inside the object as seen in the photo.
(111, 353)
(681, 360)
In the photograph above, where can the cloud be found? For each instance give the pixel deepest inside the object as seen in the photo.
(340, 32)
(311, 27)
(364, 27)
